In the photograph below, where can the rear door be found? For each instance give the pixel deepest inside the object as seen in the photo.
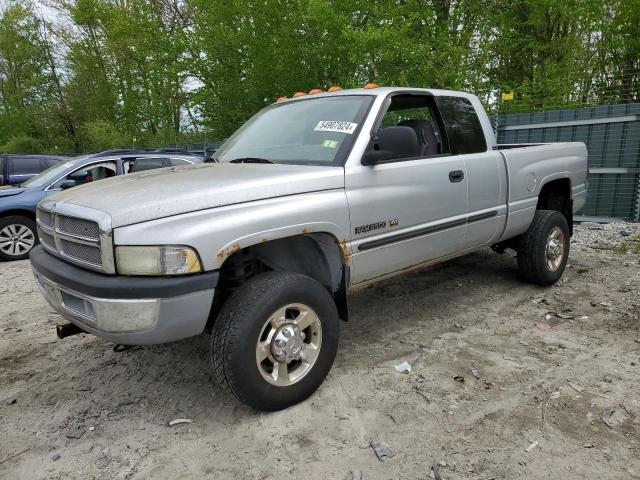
(486, 175)
(411, 209)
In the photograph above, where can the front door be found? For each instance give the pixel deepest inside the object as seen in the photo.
(411, 209)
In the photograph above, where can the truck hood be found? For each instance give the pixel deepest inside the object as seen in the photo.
(154, 194)
(9, 191)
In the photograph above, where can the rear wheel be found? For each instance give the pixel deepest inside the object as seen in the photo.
(275, 340)
(17, 237)
(544, 249)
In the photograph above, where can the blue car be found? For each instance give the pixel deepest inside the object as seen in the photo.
(15, 169)
(18, 234)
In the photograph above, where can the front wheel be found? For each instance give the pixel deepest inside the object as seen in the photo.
(17, 237)
(275, 340)
(544, 248)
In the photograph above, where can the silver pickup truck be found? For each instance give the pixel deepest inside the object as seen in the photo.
(311, 199)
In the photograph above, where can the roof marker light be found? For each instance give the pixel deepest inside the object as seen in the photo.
(369, 86)
(335, 88)
(299, 94)
(281, 99)
(314, 91)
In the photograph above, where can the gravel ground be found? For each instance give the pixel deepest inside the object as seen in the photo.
(508, 381)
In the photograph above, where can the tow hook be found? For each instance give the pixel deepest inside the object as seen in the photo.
(68, 329)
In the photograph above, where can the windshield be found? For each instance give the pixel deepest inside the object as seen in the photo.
(51, 173)
(314, 131)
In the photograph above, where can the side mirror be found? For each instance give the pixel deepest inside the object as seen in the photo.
(373, 157)
(392, 142)
(68, 184)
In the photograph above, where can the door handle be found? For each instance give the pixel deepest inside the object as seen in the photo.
(456, 176)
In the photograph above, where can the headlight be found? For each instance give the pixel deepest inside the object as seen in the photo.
(157, 260)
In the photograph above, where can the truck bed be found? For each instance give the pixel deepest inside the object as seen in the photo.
(529, 167)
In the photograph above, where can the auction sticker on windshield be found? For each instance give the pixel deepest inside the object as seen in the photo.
(335, 126)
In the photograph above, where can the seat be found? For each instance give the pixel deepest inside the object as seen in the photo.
(429, 141)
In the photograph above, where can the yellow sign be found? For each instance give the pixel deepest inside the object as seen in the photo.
(506, 96)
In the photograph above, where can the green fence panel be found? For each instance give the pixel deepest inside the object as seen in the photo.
(612, 135)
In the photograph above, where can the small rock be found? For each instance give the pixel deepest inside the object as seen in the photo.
(459, 378)
(592, 225)
(531, 447)
(576, 387)
(55, 457)
(587, 445)
(404, 367)
(625, 233)
(75, 432)
(612, 417)
(382, 451)
(179, 421)
(475, 372)
(356, 474)
(12, 401)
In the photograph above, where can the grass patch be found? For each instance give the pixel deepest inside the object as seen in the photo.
(625, 247)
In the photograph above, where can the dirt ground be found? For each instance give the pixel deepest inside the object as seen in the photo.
(559, 366)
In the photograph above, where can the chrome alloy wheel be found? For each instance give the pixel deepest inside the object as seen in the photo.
(16, 239)
(554, 250)
(289, 344)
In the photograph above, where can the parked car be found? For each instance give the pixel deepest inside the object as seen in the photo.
(312, 198)
(16, 169)
(18, 203)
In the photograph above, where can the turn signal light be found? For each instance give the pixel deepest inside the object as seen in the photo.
(369, 86)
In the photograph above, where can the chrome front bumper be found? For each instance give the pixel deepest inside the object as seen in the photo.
(130, 320)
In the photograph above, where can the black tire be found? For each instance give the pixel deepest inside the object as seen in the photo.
(240, 324)
(532, 254)
(17, 222)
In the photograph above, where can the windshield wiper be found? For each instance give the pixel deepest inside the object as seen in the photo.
(251, 160)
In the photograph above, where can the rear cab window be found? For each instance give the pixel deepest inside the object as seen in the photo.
(462, 125)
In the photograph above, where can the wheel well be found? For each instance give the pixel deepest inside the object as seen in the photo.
(18, 212)
(556, 195)
(317, 255)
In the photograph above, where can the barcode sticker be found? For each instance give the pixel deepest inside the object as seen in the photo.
(335, 126)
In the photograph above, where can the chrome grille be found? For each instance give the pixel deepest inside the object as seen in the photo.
(78, 227)
(75, 239)
(45, 218)
(46, 239)
(79, 251)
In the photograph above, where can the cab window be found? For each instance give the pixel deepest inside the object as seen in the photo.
(87, 174)
(417, 113)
